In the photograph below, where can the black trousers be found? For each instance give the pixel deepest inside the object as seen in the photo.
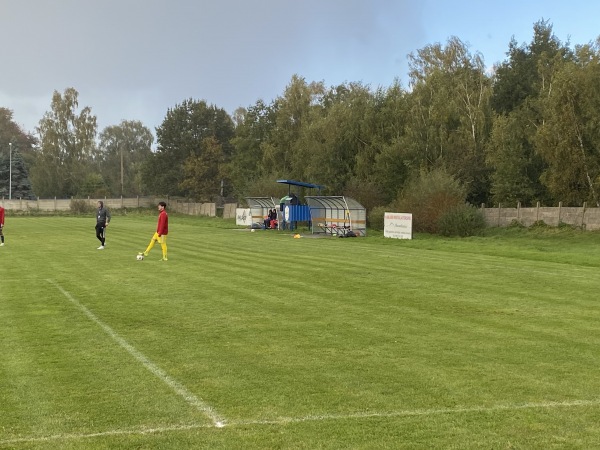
(100, 232)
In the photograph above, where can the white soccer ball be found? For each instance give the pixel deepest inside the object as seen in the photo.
(140, 257)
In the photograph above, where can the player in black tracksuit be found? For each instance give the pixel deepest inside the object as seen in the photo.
(102, 221)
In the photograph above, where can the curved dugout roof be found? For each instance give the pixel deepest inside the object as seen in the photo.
(260, 202)
(334, 202)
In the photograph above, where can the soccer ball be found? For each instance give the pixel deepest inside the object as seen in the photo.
(140, 257)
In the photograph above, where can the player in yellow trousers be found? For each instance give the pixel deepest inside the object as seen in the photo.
(162, 229)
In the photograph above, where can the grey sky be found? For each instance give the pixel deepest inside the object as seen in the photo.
(134, 59)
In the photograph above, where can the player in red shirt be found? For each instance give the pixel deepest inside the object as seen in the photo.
(162, 229)
(1, 226)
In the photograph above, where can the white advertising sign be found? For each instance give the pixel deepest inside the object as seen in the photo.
(397, 225)
(243, 216)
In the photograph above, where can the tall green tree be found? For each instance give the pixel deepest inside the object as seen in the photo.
(123, 150)
(180, 137)
(527, 71)
(392, 163)
(283, 155)
(569, 136)
(450, 115)
(515, 166)
(253, 129)
(204, 172)
(67, 147)
(337, 129)
(521, 86)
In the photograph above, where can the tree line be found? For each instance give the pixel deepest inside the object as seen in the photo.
(528, 131)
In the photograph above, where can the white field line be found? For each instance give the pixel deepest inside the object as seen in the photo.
(125, 432)
(418, 412)
(312, 418)
(173, 384)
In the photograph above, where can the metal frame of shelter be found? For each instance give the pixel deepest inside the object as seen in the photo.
(259, 208)
(337, 215)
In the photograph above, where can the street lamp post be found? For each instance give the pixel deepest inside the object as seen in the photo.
(121, 148)
(10, 171)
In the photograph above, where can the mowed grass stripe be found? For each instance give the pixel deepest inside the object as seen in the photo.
(502, 284)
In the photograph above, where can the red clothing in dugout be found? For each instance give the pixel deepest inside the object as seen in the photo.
(163, 224)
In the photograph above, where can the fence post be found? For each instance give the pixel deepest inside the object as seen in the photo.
(537, 211)
(559, 211)
(583, 224)
(499, 212)
(519, 211)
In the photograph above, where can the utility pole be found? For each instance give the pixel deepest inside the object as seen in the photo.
(10, 171)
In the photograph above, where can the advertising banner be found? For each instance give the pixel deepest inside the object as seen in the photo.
(397, 225)
(243, 216)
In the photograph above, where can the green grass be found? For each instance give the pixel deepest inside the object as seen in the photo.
(485, 342)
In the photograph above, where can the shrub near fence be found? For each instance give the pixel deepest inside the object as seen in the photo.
(583, 217)
(58, 205)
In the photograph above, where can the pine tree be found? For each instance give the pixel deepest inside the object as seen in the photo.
(21, 186)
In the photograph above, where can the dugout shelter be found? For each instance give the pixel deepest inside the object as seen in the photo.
(337, 216)
(259, 209)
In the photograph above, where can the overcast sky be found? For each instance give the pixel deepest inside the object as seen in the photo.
(135, 59)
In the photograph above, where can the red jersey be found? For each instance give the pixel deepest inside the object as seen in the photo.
(163, 223)
(1, 216)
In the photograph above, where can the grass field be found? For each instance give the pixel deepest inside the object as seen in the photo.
(262, 341)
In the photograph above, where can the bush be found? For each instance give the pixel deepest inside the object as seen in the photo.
(366, 193)
(567, 226)
(463, 220)
(376, 216)
(79, 206)
(539, 224)
(515, 224)
(429, 197)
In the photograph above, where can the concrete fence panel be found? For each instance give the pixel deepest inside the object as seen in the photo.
(584, 217)
(53, 204)
(229, 211)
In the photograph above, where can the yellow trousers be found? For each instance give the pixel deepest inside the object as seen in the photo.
(162, 240)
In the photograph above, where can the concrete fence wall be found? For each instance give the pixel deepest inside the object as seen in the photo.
(584, 217)
(56, 205)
